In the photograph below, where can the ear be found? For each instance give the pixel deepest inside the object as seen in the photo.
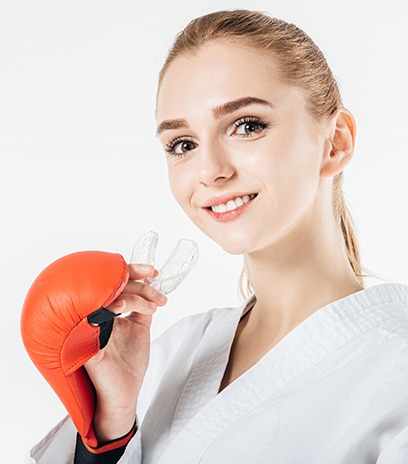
(340, 146)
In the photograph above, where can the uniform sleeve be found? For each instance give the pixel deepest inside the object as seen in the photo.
(396, 452)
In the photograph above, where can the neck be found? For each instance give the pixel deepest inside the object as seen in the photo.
(294, 278)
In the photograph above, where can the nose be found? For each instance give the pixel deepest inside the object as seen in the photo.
(214, 164)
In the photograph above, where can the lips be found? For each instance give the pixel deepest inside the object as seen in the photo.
(223, 199)
(230, 215)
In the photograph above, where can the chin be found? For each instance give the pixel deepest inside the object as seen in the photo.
(234, 251)
(233, 246)
(232, 242)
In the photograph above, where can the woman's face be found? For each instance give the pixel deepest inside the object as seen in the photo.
(232, 129)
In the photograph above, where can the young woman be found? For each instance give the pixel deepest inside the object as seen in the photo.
(313, 366)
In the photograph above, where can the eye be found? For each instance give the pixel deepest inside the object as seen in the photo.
(179, 147)
(249, 126)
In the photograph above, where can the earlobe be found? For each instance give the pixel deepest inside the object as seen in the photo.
(340, 144)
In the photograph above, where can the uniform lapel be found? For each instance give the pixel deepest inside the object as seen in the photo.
(202, 414)
(212, 358)
(190, 380)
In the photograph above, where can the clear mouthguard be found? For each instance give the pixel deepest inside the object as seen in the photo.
(178, 265)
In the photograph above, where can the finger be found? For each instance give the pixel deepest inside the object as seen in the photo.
(137, 304)
(145, 291)
(118, 306)
(140, 271)
(148, 281)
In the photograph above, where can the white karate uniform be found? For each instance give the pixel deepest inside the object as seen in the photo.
(332, 391)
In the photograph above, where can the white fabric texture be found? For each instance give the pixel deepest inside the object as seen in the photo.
(334, 390)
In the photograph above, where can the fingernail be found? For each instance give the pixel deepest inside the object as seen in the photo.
(161, 298)
(155, 273)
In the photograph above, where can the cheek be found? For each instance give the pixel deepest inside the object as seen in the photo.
(287, 164)
(295, 155)
(180, 186)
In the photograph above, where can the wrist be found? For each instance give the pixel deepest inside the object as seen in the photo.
(105, 453)
(111, 423)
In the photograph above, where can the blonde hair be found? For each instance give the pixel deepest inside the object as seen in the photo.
(301, 64)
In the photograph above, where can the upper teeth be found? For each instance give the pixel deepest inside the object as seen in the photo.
(232, 204)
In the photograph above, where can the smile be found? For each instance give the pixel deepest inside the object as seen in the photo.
(232, 209)
(232, 204)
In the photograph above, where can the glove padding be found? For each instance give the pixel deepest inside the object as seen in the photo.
(62, 305)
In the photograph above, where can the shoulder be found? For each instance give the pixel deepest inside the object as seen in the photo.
(391, 334)
(392, 352)
(386, 306)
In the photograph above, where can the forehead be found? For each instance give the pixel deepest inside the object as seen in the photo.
(219, 72)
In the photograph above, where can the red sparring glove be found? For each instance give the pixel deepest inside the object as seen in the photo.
(64, 301)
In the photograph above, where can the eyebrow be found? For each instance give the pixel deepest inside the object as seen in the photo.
(217, 112)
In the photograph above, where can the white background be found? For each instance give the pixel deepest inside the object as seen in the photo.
(81, 168)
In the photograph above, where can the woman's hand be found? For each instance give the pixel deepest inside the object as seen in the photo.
(118, 370)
